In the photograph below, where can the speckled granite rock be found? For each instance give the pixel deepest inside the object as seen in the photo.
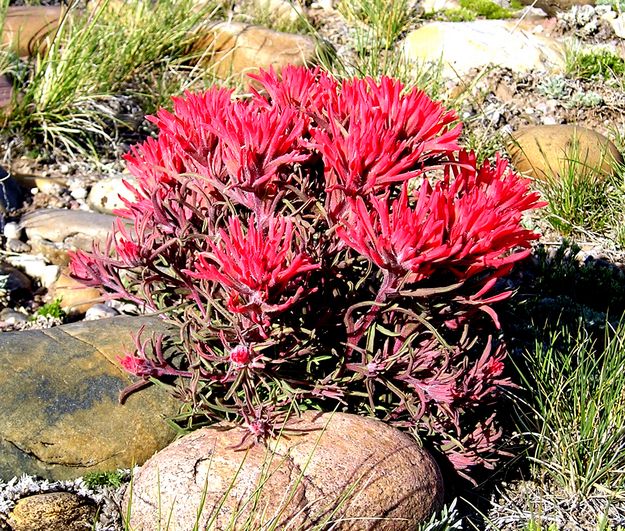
(53, 511)
(59, 410)
(388, 480)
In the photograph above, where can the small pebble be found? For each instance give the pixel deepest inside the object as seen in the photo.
(79, 193)
(17, 246)
(100, 311)
(12, 231)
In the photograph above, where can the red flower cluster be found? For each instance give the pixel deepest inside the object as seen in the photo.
(259, 267)
(321, 241)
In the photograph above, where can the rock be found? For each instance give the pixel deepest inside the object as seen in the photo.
(100, 311)
(17, 246)
(60, 412)
(321, 459)
(78, 192)
(7, 92)
(29, 174)
(105, 195)
(36, 267)
(53, 511)
(10, 193)
(9, 316)
(76, 298)
(54, 231)
(463, 46)
(553, 7)
(280, 10)
(12, 279)
(12, 231)
(618, 24)
(327, 5)
(26, 28)
(435, 6)
(235, 49)
(543, 151)
(79, 227)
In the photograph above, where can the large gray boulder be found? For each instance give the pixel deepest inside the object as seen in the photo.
(60, 415)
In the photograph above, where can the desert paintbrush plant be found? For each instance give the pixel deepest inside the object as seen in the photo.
(321, 242)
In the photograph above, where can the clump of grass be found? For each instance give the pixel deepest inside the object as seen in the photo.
(582, 198)
(389, 19)
(262, 14)
(472, 9)
(113, 479)
(578, 410)
(594, 63)
(461, 14)
(486, 9)
(372, 58)
(52, 309)
(67, 101)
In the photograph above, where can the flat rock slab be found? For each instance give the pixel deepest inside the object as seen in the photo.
(463, 46)
(59, 412)
(73, 227)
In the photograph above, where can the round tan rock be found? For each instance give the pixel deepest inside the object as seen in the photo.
(76, 298)
(53, 511)
(235, 49)
(27, 28)
(545, 151)
(341, 470)
(107, 194)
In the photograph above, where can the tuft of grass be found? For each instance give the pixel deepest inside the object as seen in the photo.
(471, 10)
(263, 14)
(70, 99)
(372, 58)
(113, 479)
(600, 63)
(486, 9)
(52, 309)
(577, 400)
(461, 14)
(388, 19)
(582, 198)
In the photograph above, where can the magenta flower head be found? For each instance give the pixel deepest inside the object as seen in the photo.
(262, 267)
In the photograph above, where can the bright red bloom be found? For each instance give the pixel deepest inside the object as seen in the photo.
(244, 231)
(465, 224)
(309, 91)
(241, 355)
(257, 143)
(379, 134)
(135, 365)
(257, 266)
(85, 267)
